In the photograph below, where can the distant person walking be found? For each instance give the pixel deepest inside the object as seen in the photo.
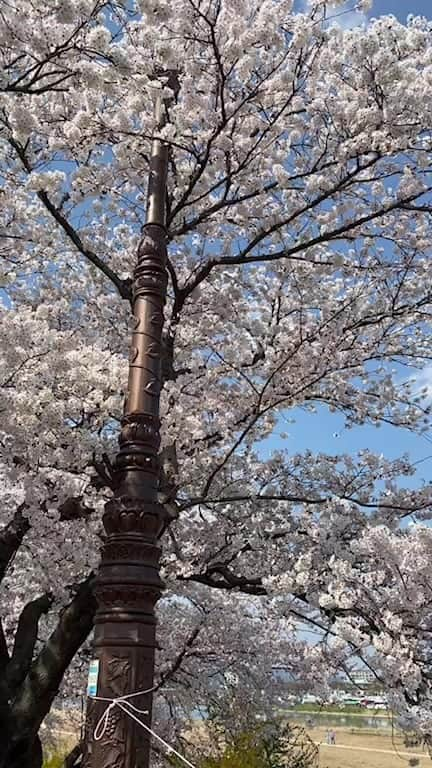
(332, 736)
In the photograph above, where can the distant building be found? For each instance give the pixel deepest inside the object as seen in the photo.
(362, 676)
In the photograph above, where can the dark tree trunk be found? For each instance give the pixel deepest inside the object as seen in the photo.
(28, 685)
(20, 753)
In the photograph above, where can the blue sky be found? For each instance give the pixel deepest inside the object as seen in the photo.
(402, 8)
(325, 432)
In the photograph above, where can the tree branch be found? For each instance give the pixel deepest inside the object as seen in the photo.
(4, 688)
(42, 682)
(297, 499)
(123, 286)
(11, 537)
(228, 580)
(245, 257)
(176, 664)
(25, 640)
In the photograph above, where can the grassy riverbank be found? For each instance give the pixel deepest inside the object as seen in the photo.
(358, 749)
(335, 709)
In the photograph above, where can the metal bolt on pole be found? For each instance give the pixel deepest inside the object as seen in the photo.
(128, 584)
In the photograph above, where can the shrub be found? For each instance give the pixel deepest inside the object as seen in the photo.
(54, 761)
(271, 745)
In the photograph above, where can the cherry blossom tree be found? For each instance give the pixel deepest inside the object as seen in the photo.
(299, 214)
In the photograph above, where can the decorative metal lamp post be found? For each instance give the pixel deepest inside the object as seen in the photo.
(128, 583)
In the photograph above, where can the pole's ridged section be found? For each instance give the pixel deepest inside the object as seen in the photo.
(128, 583)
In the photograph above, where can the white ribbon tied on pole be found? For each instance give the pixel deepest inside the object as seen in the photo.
(129, 709)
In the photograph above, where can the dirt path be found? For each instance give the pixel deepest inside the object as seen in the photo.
(371, 749)
(368, 714)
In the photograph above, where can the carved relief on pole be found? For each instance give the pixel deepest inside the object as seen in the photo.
(127, 588)
(111, 750)
(124, 515)
(150, 276)
(140, 439)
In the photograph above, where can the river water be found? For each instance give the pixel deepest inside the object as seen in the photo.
(333, 719)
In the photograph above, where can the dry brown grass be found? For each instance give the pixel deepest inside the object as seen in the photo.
(60, 732)
(355, 748)
(366, 749)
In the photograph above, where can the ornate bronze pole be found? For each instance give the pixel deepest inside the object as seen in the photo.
(128, 583)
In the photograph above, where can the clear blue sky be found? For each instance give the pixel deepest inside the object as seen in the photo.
(402, 8)
(324, 431)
